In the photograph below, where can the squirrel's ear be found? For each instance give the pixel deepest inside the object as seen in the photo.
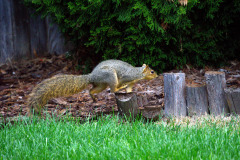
(145, 67)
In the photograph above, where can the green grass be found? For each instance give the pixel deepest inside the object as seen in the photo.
(111, 138)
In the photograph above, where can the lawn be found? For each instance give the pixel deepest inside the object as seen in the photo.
(114, 138)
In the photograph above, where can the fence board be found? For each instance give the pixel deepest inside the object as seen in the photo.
(21, 34)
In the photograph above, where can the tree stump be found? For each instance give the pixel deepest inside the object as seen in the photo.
(233, 99)
(127, 104)
(152, 112)
(197, 100)
(216, 83)
(174, 90)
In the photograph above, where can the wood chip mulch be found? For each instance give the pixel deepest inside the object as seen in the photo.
(17, 79)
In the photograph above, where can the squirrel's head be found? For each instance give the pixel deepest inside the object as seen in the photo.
(148, 72)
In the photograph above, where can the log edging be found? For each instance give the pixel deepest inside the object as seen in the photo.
(213, 98)
(182, 99)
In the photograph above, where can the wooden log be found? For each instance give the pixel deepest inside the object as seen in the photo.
(233, 99)
(196, 100)
(174, 90)
(127, 104)
(152, 111)
(216, 83)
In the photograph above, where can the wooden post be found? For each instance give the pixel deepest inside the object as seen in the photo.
(216, 83)
(174, 90)
(127, 104)
(233, 99)
(197, 100)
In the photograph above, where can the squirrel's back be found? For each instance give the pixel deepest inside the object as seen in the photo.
(119, 66)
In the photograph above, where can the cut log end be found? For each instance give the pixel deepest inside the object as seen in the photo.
(214, 73)
(195, 85)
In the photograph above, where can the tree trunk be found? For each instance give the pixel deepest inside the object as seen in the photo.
(216, 83)
(233, 99)
(127, 104)
(197, 100)
(174, 86)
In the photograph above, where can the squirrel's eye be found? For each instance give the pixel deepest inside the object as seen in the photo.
(152, 72)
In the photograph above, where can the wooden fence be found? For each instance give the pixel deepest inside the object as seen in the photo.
(24, 35)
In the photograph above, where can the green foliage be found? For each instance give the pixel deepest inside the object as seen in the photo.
(161, 33)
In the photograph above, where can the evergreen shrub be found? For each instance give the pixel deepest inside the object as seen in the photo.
(161, 33)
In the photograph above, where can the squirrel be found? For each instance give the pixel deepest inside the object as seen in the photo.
(113, 73)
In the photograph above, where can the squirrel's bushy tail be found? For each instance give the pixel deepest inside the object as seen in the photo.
(57, 86)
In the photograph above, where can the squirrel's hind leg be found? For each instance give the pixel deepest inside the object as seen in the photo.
(97, 88)
(108, 76)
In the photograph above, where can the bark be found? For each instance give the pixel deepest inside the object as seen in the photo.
(127, 104)
(197, 100)
(174, 90)
(233, 99)
(216, 83)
